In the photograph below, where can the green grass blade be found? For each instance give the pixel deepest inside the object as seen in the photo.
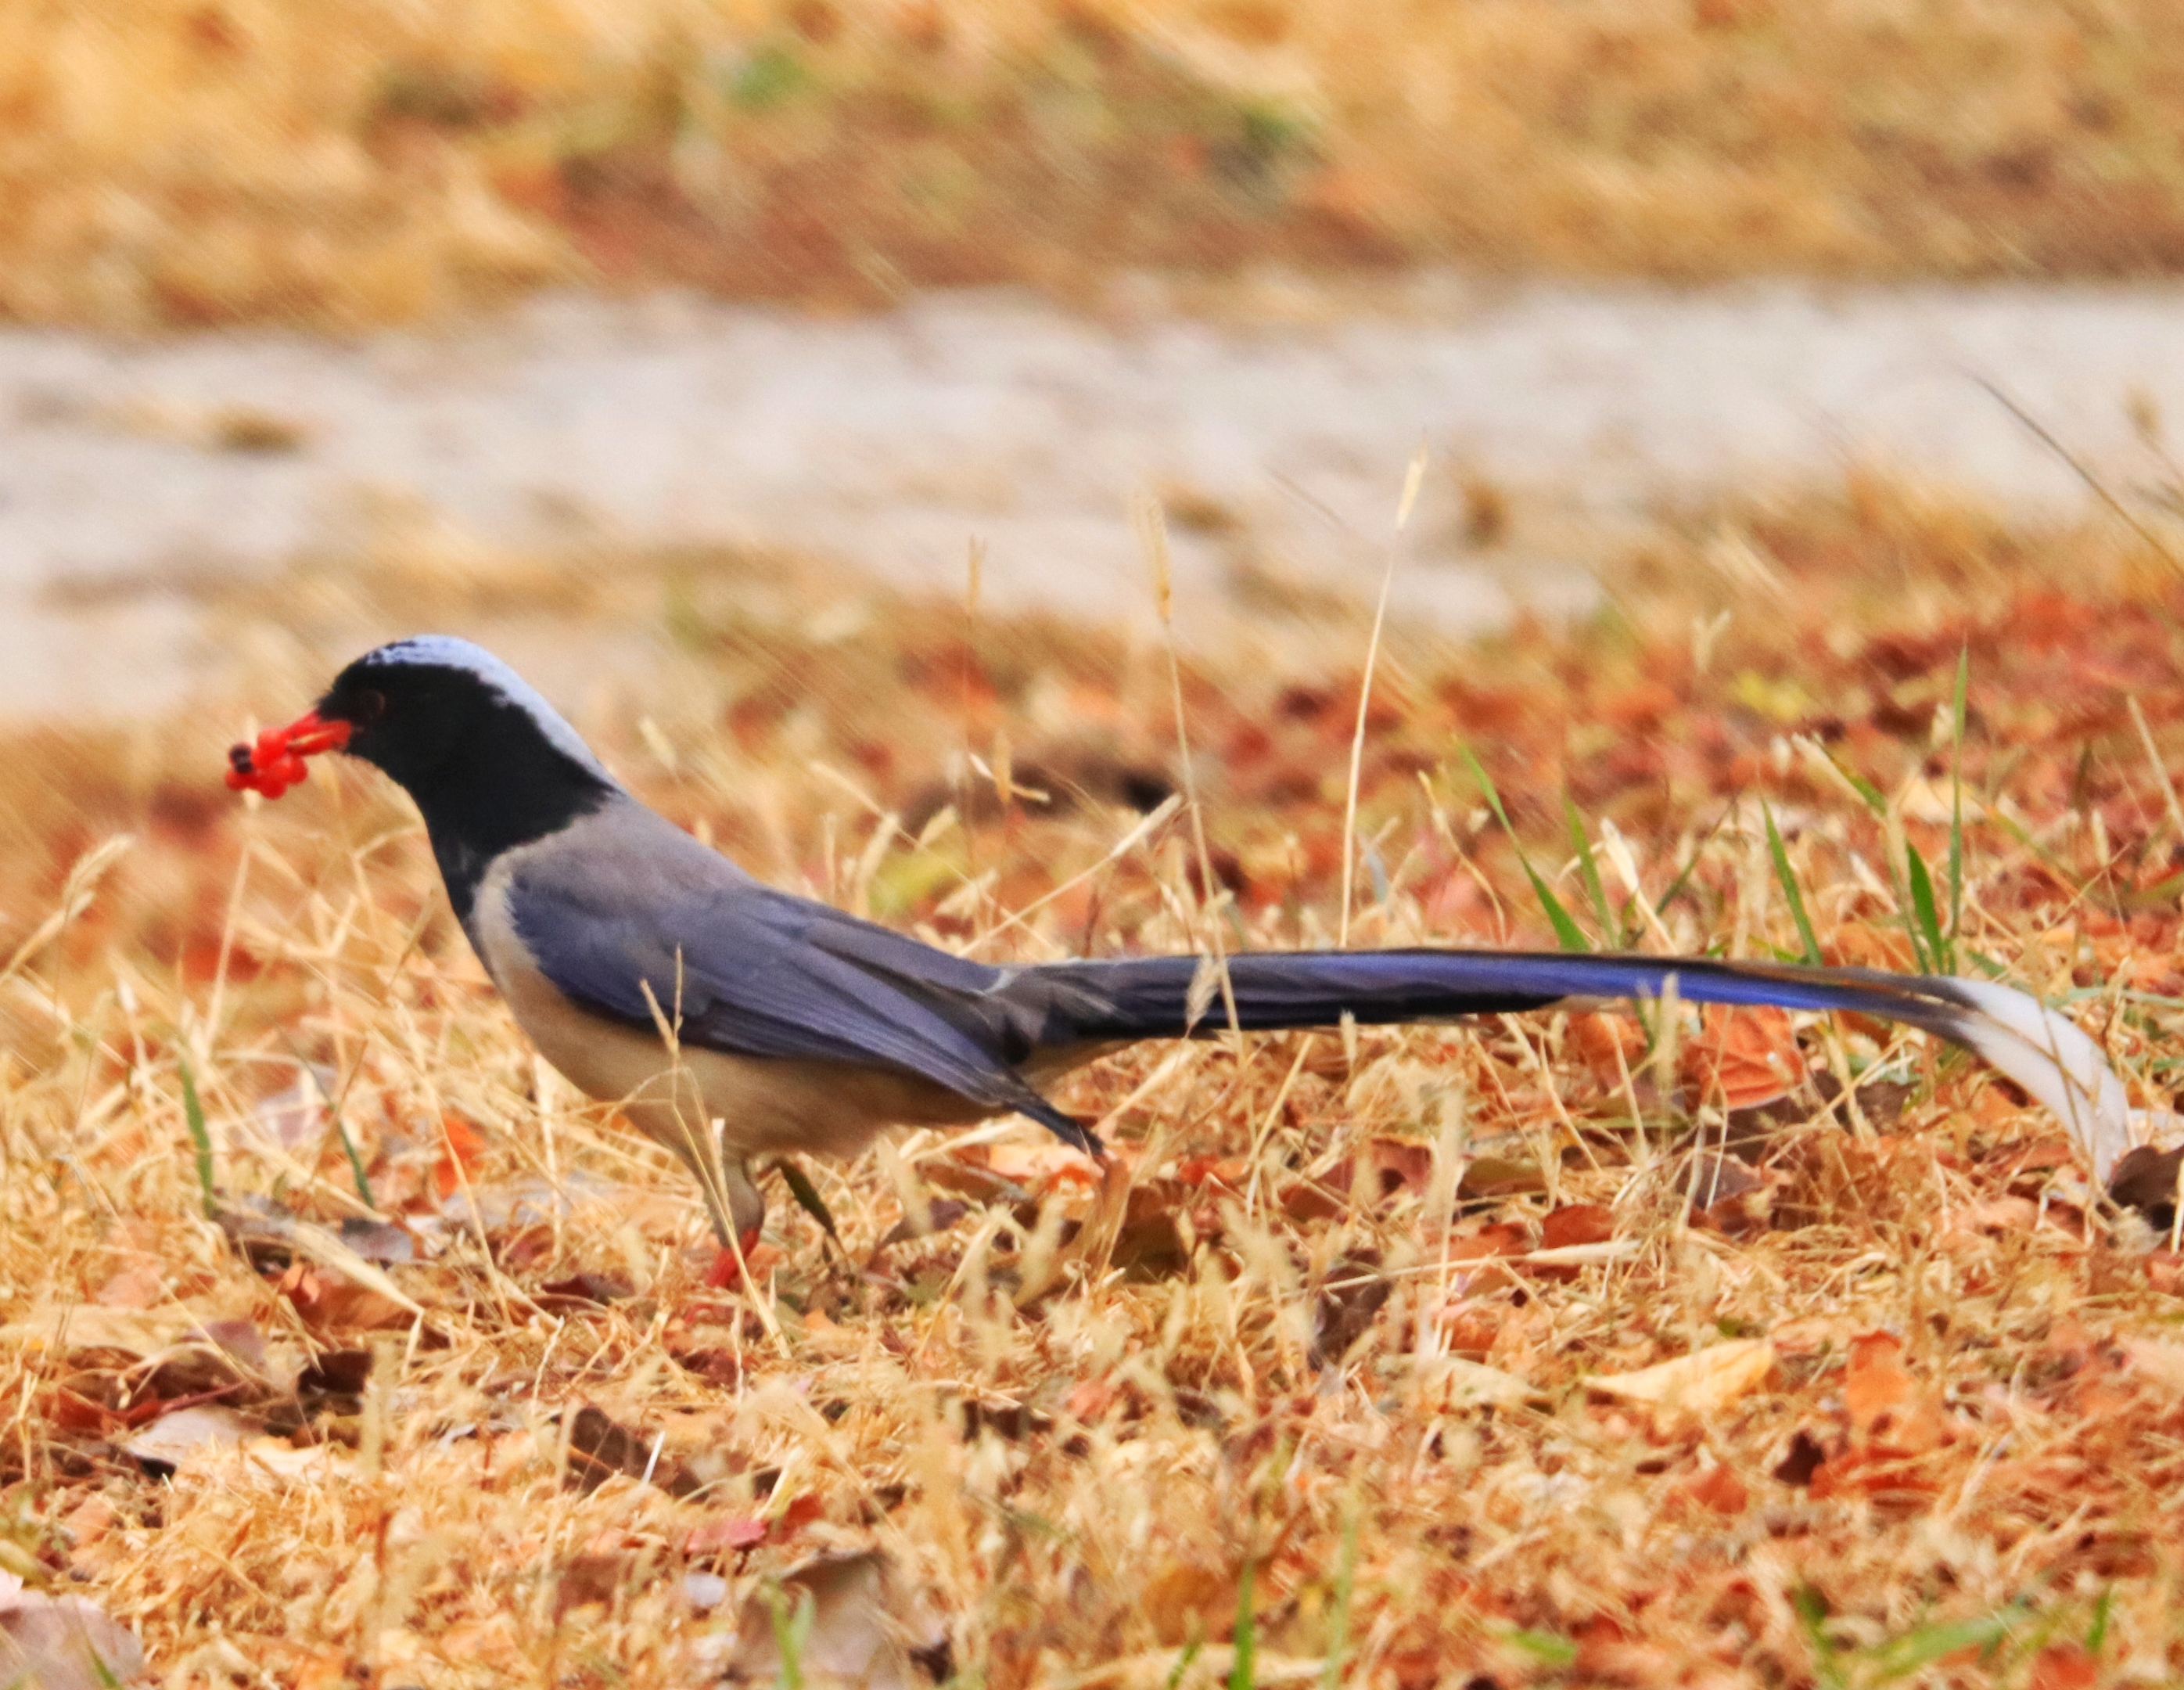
(1570, 934)
(1244, 1666)
(1611, 929)
(2047, 859)
(1183, 1660)
(193, 1117)
(2097, 1633)
(1690, 866)
(1791, 893)
(1812, 1611)
(1875, 801)
(356, 1166)
(1957, 795)
(792, 1631)
(1925, 923)
(1543, 1646)
(807, 1196)
(1345, 1582)
(1901, 1657)
(2162, 894)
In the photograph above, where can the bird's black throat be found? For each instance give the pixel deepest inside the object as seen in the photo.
(477, 806)
(485, 772)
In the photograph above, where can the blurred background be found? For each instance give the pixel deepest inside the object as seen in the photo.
(534, 317)
(896, 430)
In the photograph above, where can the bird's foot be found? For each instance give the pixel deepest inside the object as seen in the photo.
(728, 1270)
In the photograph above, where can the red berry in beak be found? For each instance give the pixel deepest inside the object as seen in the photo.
(276, 762)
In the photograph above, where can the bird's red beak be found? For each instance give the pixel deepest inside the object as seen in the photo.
(276, 762)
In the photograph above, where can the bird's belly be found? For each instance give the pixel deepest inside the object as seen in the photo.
(782, 1104)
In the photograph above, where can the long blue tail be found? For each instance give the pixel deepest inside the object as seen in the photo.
(1171, 997)
(1150, 997)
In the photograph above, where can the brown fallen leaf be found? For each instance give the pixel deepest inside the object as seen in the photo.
(599, 1448)
(2051, 1155)
(1503, 1238)
(65, 1643)
(336, 1373)
(1607, 1655)
(863, 1627)
(1092, 1243)
(1577, 1223)
(328, 1301)
(286, 1460)
(1490, 1175)
(300, 1666)
(1712, 1179)
(1468, 1329)
(939, 1216)
(1896, 1425)
(2064, 1666)
(733, 1531)
(2160, 1365)
(324, 1669)
(227, 1358)
(1895, 1481)
(172, 1439)
(86, 1326)
(1884, 1401)
(1230, 1172)
(1804, 1457)
(138, 1287)
(85, 1528)
(2145, 1180)
(1743, 1058)
(1703, 1383)
(1379, 1169)
(1611, 1047)
(2003, 1215)
(463, 1146)
(1453, 1384)
(1729, 1197)
(595, 1578)
(493, 1643)
(967, 1174)
(1159, 1229)
(1304, 1202)
(248, 429)
(1345, 1311)
(1042, 1168)
(1718, 1489)
(1876, 1382)
(1393, 1165)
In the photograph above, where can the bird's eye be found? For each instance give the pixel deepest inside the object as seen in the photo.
(370, 706)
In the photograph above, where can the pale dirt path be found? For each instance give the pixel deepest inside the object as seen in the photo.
(889, 443)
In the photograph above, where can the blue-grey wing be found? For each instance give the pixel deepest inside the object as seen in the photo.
(743, 969)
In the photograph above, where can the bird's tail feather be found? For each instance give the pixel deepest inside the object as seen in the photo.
(1179, 996)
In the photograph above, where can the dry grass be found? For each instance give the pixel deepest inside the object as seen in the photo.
(1323, 1360)
(207, 160)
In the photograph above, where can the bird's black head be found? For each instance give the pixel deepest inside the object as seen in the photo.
(435, 708)
(489, 762)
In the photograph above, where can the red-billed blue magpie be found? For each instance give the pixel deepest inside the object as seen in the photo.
(730, 1019)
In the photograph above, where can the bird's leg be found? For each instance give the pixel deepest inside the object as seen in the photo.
(671, 1111)
(746, 1214)
(731, 1264)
